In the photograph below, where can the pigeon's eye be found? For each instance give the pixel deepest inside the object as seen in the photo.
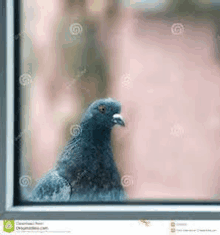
(102, 109)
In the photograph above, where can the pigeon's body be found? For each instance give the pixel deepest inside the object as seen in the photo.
(86, 170)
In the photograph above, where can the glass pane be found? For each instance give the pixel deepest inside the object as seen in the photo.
(159, 59)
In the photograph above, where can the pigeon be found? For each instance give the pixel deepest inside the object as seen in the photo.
(86, 170)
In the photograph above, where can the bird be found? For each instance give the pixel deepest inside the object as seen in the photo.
(86, 170)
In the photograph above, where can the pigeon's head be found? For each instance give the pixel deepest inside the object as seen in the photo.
(104, 113)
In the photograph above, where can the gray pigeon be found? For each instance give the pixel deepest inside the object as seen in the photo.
(86, 170)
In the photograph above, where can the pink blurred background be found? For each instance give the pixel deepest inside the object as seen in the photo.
(166, 76)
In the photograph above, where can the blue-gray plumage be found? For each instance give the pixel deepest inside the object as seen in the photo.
(86, 170)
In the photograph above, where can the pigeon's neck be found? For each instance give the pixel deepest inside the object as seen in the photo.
(95, 133)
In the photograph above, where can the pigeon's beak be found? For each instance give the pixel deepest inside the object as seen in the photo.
(118, 119)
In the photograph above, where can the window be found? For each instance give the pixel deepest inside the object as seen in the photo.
(160, 62)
